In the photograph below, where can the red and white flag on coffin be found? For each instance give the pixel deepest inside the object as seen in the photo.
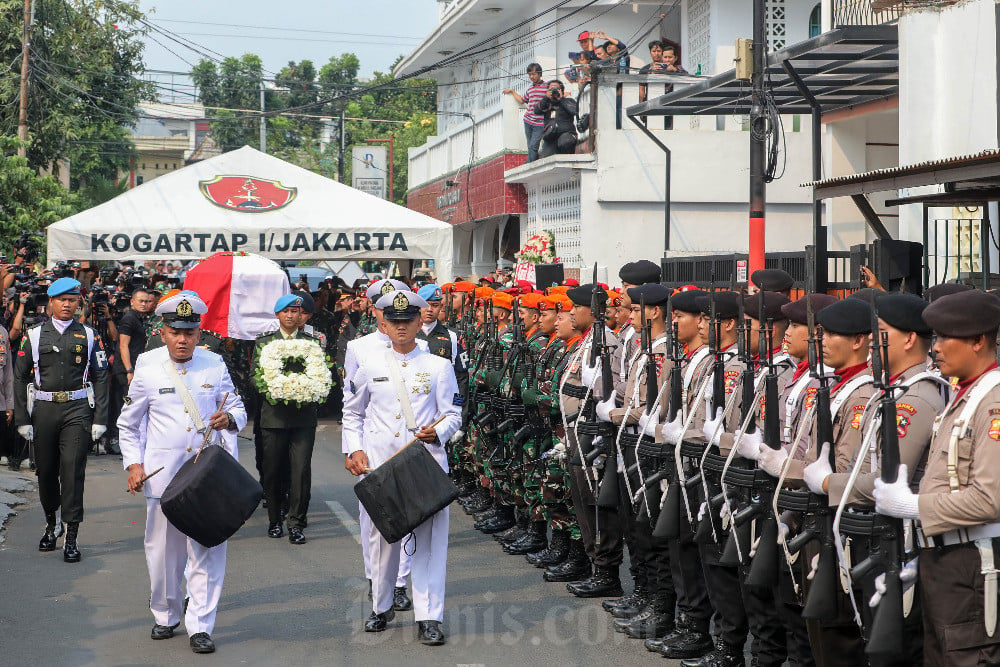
(240, 290)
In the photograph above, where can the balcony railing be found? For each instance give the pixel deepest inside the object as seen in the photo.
(864, 12)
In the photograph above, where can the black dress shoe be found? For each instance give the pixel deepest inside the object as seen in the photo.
(275, 530)
(163, 631)
(295, 536)
(379, 622)
(400, 600)
(71, 552)
(429, 633)
(48, 541)
(201, 642)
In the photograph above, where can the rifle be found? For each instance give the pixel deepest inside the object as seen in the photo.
(599, 351)
(709, 529)
(668, 523)
(652, 407)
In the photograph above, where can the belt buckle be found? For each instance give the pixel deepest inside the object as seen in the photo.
(60, 396)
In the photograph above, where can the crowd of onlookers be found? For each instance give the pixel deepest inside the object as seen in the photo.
(552, 119)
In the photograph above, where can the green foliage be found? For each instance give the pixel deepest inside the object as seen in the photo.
(29, 201)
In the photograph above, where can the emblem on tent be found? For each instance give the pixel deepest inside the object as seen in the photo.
(247, 194)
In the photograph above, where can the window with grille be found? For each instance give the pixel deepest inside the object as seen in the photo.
(555, 207)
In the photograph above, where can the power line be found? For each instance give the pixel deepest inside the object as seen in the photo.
(261, 27)
(285, 39)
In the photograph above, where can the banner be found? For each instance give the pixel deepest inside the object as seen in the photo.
(369, 170)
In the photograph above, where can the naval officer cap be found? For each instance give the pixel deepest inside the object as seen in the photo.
(640, 273)
(849, 317)
(652, 294)
(963, 315)
(768, 302)
(182, 310)
(727, 304)
(400, 305)
(430, 293)
(772, 280)
(287, 301)
(382, 287)
(64, 287)
(904, 312)
(798, 311)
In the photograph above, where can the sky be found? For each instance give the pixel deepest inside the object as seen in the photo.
(377, 31)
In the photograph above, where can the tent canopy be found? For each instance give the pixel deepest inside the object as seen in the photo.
(245, 200)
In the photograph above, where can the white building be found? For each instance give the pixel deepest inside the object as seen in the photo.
(168, 137)
(606, 202)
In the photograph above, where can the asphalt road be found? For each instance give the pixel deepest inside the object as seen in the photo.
(283, 604)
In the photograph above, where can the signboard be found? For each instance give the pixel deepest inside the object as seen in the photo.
(369, 170)
(525, 271)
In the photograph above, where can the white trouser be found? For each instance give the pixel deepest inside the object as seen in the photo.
(405, 561)
(429, 563)
(173, 557)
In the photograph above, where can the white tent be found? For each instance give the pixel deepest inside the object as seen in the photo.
(247, 200)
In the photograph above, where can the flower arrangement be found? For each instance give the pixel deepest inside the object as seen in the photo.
(293, 372)
(540, 249)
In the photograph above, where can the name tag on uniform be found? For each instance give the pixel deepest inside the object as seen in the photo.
(167, 390)
(380, 379)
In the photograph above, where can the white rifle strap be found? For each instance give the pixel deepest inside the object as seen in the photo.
(185, 394)
(34, 334)
(404, 396)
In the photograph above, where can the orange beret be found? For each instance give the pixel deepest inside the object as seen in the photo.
(463, 286)
(559, 289)
(529, 300)
(547, 303)
(563, 303)
(503, 300)
(446, 288)
(483, 292)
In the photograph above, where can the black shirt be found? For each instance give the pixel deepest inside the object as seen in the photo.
(133, 325)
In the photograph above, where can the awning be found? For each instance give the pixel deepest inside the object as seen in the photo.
(841, 68)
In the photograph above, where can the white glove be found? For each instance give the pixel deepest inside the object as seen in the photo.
(770, 460)
(724, 512)
(604, 409)
(816, 472)
(749, 445)
(96, 431)
(27, 432)
(783, 531)
(673, 431)
(813, 567)
(907, 577)
(457, 438)
(589, 374)
(896, 499)
(701, 511)
(712, 428)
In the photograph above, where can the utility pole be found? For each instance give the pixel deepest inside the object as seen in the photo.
(758, 139)
(22, 123)
(263, 120)
(343, 144)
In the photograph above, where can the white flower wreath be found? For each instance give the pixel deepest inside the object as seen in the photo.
(293, 372)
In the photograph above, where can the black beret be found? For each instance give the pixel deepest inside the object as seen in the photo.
(772, 280)
(653, 294)
(308, 305)
(727, 304)
(797, 312)
(687, 301)
(935, 292)
(582, 295)
(847, 317)
(964, 314)
(640, 273)
(772, 303)
(904, 312)
(867, 294)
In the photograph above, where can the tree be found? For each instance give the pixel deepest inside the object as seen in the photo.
(232, 87)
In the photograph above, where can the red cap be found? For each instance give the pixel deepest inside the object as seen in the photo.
(525, 286)
(571, 282)
(583, 35)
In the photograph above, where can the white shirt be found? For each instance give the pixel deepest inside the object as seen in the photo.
(153, 427)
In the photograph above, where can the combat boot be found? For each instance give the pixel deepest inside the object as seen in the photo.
(482, 502)
(503, 520)
(689, 639)
(554, 553)
(574, 568)
(533, 540)
(604, 583)
(481, 517)
(48, 541)
(723, 655)
(630, 605)
(657, 624)
(514, 533)
(71, 553)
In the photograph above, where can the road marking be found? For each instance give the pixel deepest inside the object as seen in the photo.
(348, 521)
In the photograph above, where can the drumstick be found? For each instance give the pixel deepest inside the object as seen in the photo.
(436, 422)
(145, 477)
(208, 430)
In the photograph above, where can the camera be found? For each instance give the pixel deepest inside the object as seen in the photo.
(27, 245)
(556, 94)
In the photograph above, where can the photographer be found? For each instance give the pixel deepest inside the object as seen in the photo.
(559, 112)
(131, 342)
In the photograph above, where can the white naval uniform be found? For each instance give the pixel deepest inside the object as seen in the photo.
(356, 350)
(374, 423)
(155, 431)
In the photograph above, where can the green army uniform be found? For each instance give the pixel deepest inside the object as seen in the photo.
(557, 507)
(523, 479)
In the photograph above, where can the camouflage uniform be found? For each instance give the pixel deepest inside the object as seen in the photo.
(543, 441)
(557, 507)
(523, 479)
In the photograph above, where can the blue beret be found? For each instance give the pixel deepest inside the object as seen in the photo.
(64, 286)
(430, 293)
(286, 301)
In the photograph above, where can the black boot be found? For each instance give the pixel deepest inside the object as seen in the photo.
(604, 583)
(502, 521)
(690, 639)
(654, 644)
(723, 655)
(481, 517)
(555, 553)
(514, 533)
(71, 553)
(533, 540)
(630, 605)
(574, 568)
(657, 624)
(48, 541)
(483, 502)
